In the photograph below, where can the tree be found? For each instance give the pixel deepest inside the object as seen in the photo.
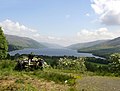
(115, 63)
(72, 64)
(3, 45)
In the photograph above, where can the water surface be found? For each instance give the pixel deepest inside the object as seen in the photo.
(53, 52)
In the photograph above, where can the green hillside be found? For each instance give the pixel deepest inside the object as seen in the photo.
(51, 45)
(105, 48)
(85, 45)
(16, 43)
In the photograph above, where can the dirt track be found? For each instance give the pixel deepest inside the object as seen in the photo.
(99, 83)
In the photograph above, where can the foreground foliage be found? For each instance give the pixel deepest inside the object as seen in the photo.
(21, 80)
(70, 64)
(3, 45)
(114, 66)
(64, 77)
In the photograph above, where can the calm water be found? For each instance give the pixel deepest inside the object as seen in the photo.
(52, 52)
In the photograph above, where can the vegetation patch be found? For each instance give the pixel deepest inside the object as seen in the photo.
(56, 77)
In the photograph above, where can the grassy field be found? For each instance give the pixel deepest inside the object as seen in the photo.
(29, 83)
(53, 80)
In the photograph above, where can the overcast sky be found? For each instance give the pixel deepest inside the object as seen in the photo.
(63, 22)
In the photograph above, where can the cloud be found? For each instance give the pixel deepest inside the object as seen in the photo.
(109, 11)
(99, 34)
(51, 37)
(36, 35)
(87, 14)
(15, 28)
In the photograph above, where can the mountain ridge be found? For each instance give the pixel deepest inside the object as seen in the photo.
(85, 45)
(104, 49)
(17, 42)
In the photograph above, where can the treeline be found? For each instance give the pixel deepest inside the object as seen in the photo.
(110, 66)
(97, 60)
(14, 47)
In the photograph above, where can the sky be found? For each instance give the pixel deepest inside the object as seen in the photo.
(62, 22)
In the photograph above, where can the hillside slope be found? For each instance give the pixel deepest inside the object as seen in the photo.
(52, 45)
(105, 48)
(16, 42)
(85, 45)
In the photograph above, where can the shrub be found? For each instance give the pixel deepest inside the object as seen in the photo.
(114, 66)
(70, 64)
(7, 64)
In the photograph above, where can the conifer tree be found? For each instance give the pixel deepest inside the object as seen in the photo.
(3, 45)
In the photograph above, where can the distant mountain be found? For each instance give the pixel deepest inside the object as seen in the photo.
(106, 48)
(114, 42)
(16, 42)
(51, 45)
(85, 45)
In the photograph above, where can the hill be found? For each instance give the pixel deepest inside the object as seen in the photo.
(85, 45)
(16, 43)
(104, 49)
(51, 45)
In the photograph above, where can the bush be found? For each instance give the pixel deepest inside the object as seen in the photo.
(70, 64)
(7, 64)
(114, 66)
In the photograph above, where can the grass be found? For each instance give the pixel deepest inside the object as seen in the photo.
(11, 79)
(56, 77)
(53, 80)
